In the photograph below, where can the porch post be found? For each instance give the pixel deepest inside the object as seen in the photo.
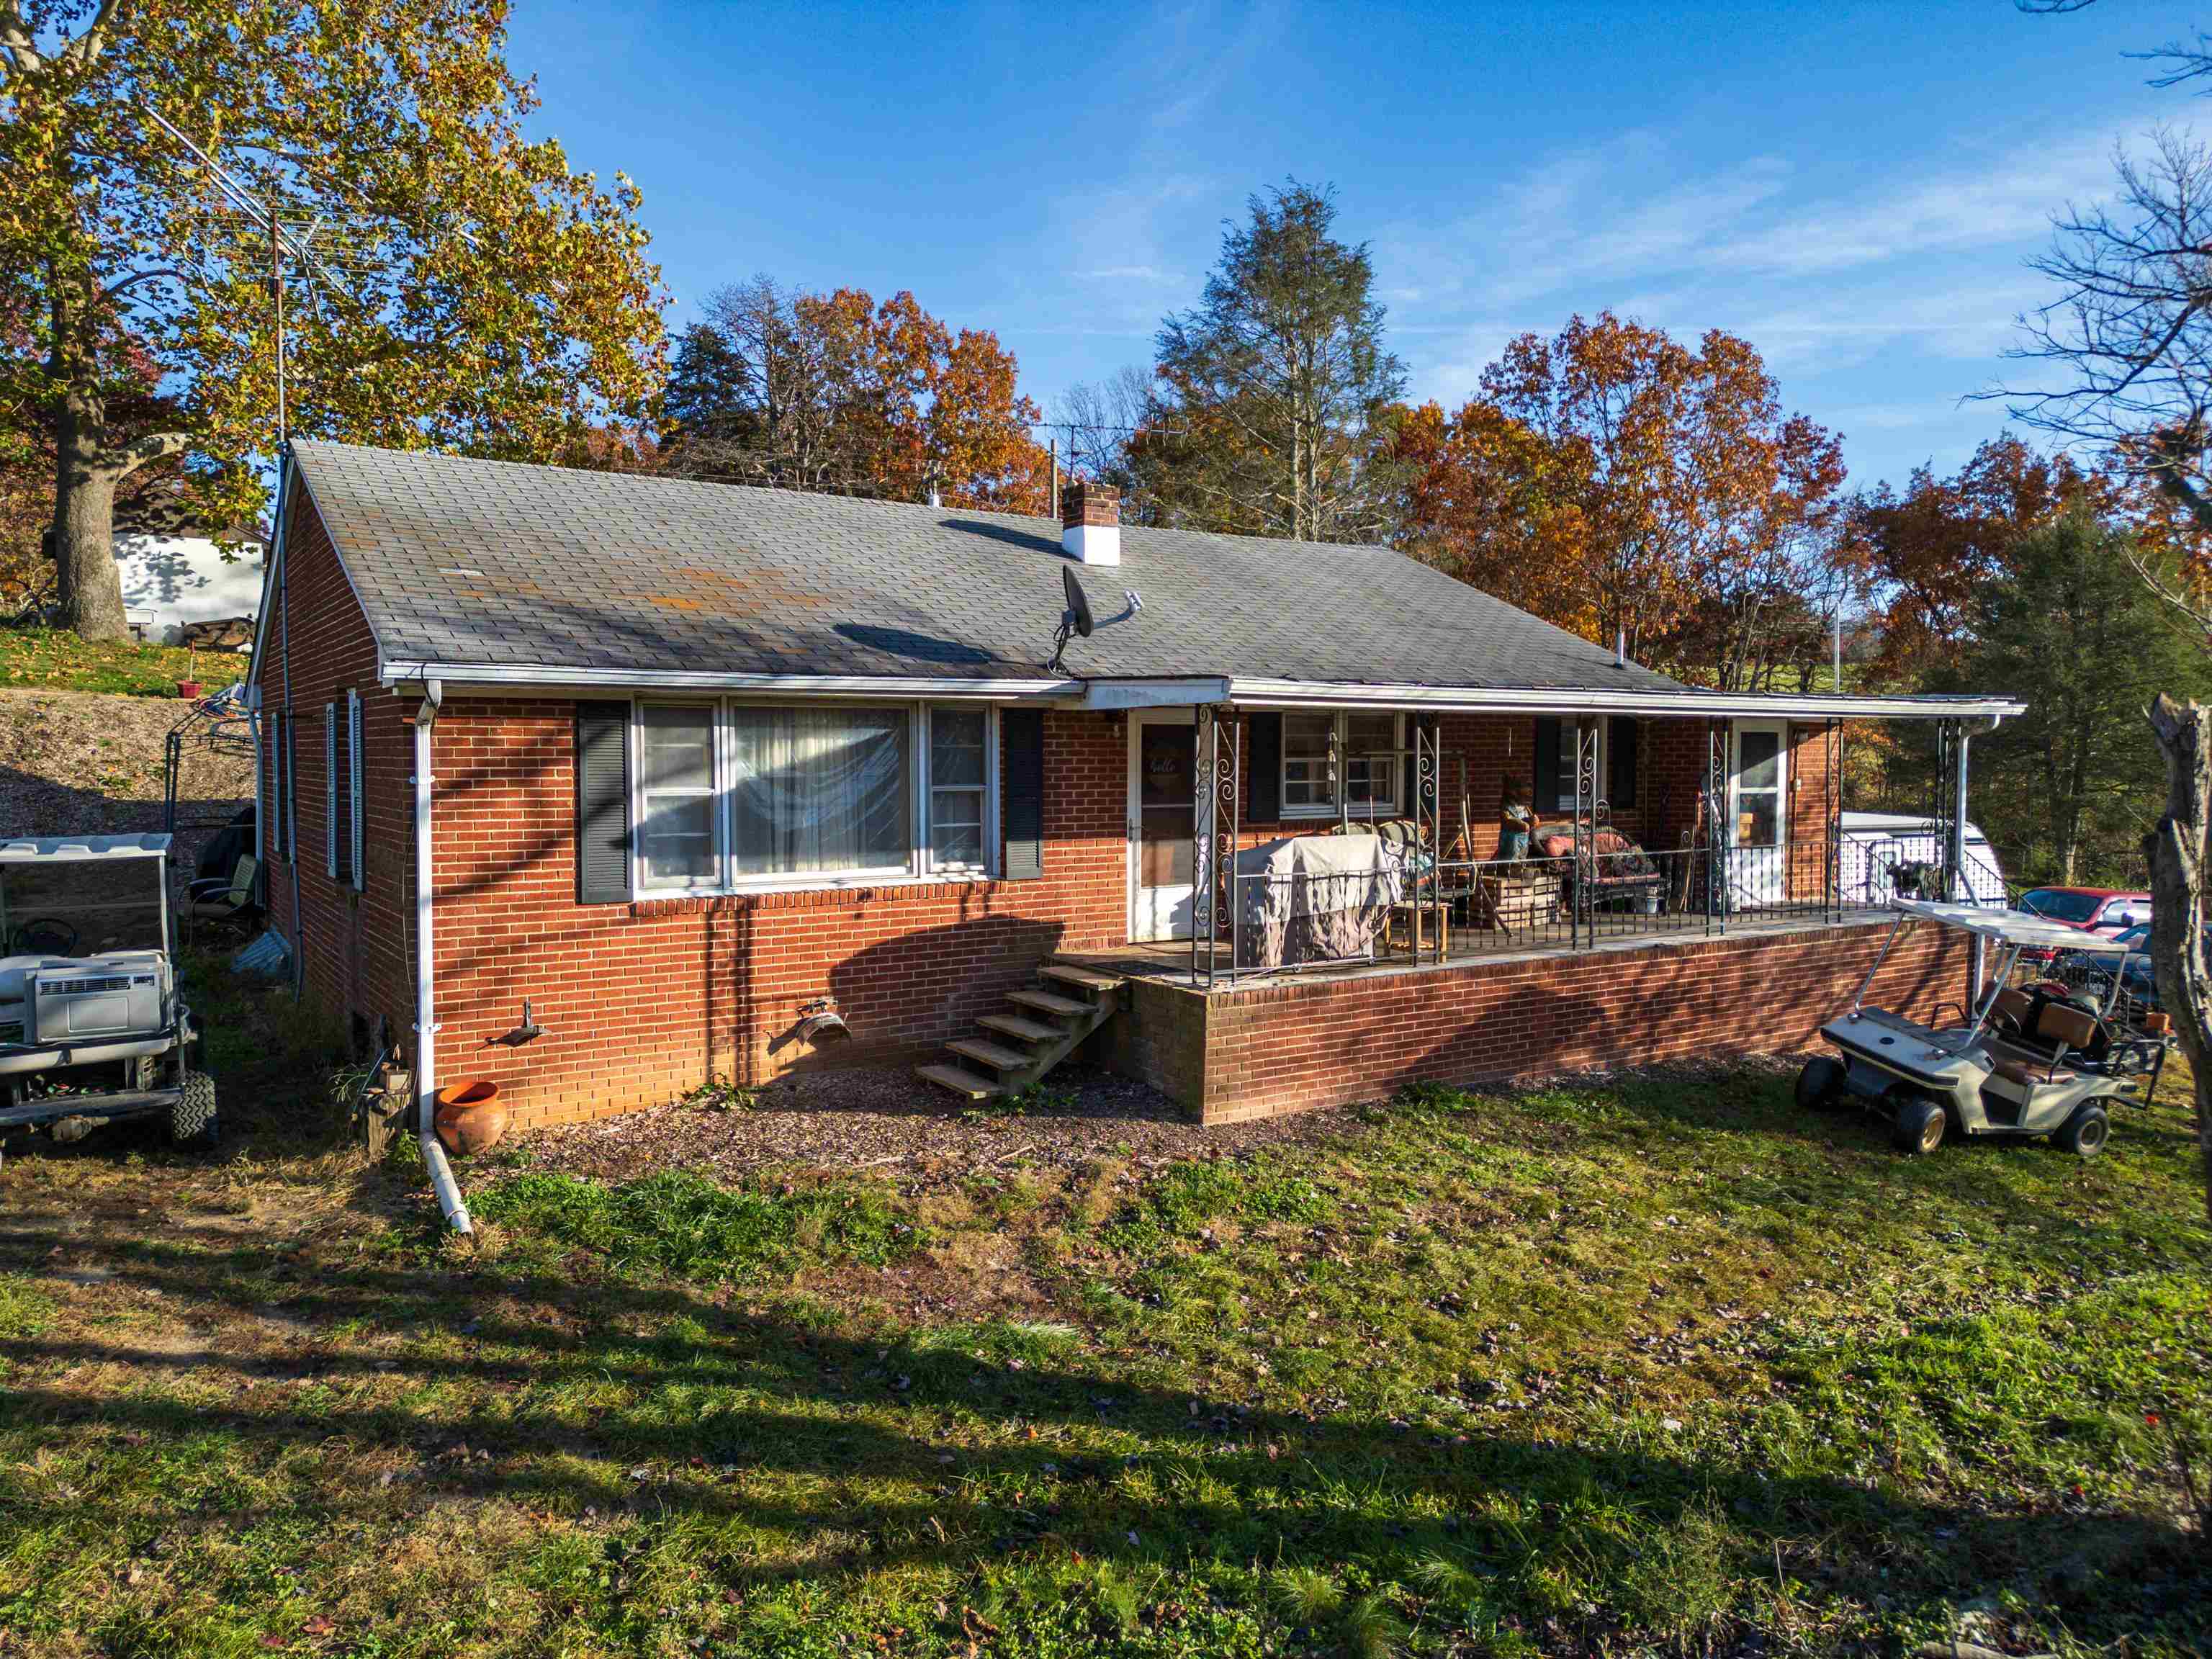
(1582, 922)
(1714, 806)
(1201, 841)
(1954, 847)
(1833, 873)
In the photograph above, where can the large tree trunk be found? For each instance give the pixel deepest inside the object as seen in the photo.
(84, 523)
(2176, 886)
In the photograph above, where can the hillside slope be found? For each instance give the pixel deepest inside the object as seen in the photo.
(87, 763)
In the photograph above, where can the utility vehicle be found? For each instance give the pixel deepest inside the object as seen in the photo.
(92, 1027)
(2030, 1061)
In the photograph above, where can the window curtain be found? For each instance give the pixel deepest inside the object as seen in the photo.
(820, 789)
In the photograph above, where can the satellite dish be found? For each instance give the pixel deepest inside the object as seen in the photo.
(1075, 620)
(1078, 604)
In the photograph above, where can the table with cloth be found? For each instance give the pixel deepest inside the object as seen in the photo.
(1315, 898)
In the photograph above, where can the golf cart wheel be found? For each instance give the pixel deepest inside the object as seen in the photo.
(1919, 1125)
(1819, 1084)
(2086, 1132)
(192, 1119)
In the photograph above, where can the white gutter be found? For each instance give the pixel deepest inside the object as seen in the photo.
(399, 675)
(1539, 700)
(426, 1023)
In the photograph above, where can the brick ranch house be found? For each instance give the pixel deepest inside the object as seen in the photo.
(706, 777)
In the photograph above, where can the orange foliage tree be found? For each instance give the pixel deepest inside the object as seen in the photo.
(835, 392)
(1929, 551)
(1617, 483)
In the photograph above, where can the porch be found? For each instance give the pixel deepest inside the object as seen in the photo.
(1269, 843)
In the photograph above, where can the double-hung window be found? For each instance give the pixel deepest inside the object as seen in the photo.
(959, 788)
(1354, 755)
(738, 795)
(677, 845)
(1615, 776)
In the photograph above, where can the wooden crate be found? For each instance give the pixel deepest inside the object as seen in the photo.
(1512, 902)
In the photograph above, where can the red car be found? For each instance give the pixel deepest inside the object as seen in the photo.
(2101, 910)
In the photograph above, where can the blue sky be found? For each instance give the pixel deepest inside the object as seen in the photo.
(1854, 188)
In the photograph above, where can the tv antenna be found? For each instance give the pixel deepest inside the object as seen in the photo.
(282, 242)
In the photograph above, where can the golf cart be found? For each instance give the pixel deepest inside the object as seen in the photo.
(2030, 1061)
(91, 1028)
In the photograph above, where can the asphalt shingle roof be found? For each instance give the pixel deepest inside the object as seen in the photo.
(459, 560)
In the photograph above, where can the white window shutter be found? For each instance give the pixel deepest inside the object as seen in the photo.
(353, 795)
(331, 790)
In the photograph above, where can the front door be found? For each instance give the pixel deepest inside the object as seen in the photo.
(1163, 768)
(1758, 816)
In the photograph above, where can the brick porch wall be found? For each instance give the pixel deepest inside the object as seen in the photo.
(1272, 1050)
(644, 1002)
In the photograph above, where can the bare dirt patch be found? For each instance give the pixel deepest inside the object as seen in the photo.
(891, 1123)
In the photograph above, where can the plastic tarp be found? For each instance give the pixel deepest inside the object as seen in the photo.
(1315, 898)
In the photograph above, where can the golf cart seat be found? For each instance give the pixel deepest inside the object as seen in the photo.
(2059, 1029)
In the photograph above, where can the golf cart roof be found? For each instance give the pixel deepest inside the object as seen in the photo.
(51, 848)
(2011, 927)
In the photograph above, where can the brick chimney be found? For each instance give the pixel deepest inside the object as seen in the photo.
(1091, 522)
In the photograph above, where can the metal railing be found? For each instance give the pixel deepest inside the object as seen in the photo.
(1420, 911)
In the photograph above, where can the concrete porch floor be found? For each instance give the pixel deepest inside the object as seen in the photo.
(1170, 960)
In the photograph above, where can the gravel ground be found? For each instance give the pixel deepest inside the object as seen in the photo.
(889, 1121)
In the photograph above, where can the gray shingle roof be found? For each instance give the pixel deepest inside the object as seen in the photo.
(459, 560)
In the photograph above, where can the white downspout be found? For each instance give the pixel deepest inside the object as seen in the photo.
(425, 1024)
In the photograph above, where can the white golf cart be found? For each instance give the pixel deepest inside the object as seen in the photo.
(2030, 1061)
(91, 1028)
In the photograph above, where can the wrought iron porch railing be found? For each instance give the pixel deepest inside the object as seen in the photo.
(1467, 909)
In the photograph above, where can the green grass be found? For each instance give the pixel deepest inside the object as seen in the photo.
(50, 658)
(1661, 1367)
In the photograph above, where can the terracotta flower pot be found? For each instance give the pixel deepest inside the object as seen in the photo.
(470, 1118)
(188, 688)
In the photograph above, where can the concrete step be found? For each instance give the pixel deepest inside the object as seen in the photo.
(1088, 978)
(966, 1083)
(1046, 1002)
(1003, 1060)
(1029, 1030)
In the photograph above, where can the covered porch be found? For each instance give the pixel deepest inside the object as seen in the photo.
(1344, 832)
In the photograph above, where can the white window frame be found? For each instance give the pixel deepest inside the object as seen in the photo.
(331, 790)
(718, 797)
(926, 818)
(920, 863)
(357, 827)
(1387, 809)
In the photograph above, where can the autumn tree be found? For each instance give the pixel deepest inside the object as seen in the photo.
(1622, 485)
(1273, 396)
(1931, 550)
(2066, 626)
(452, 282)
(834, 392)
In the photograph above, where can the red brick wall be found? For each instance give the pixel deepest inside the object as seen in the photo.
(643, 1001)
(1288, 1046)
(350, 944)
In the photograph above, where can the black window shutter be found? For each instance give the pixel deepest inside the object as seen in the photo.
(1267, 769)
(341, 793)
(1621, 737)
(1547, 767)
(602, 803)
(1021, 792)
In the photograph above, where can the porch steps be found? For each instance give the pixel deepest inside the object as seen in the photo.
(1050, 1002)
(966, 1083)
(1029, 1030)
(1020, 1047)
